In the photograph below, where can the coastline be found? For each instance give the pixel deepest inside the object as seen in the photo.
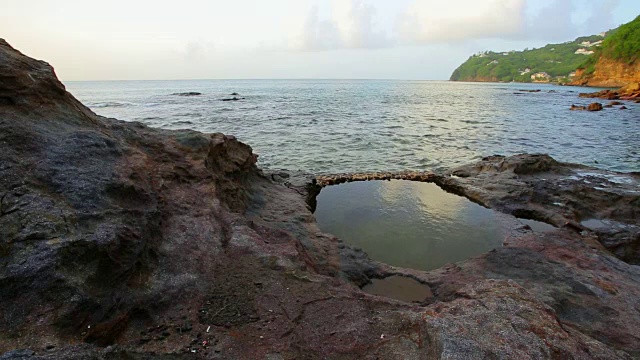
(125, 240)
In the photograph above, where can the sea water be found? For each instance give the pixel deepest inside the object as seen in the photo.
(329, 126)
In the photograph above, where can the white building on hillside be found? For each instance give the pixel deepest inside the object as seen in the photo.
(541, 76)
(583, 52)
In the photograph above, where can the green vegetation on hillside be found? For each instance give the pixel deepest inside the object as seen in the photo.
(557, 60)
(621, 44)
(624, 43)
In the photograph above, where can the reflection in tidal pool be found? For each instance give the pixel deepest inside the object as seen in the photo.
(399, 288)
(408, 224)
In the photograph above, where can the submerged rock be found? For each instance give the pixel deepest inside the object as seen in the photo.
(190, 93)
(122, 241)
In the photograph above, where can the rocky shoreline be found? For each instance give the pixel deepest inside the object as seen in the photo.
(119, 241)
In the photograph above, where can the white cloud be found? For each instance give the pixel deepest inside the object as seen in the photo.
(351, 24)
(439, 21)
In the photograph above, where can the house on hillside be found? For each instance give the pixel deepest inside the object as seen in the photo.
(590, 44)
(525, 71)
(583, 52)
(541, 77)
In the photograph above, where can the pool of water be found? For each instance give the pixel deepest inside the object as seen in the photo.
(408, 224)
(400, 288)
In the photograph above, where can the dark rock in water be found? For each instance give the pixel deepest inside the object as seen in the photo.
(233, 99)
(590, 107)
(623, 107)
(531, 91)
(114, 234)
(616, 103)
(594, 107)
(608, 106)
(234, 94)
(191, 93)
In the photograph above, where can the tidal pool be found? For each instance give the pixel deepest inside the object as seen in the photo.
(399, 288)
(408, 224)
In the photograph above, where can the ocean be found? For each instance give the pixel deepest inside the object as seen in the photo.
(333, 126)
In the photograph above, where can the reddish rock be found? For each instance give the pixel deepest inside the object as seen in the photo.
(594, 107)
(628, 92)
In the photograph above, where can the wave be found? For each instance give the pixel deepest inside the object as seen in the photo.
(111, 104)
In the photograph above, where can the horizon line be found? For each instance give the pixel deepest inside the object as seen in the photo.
(259, 79)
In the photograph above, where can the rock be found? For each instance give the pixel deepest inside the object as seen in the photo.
(629, 92)
(608, 106)
(234, 94)
(114, 234)
(594, 107)
(630, 88)
(615, 103)
(190, 93)
(233, 99)
(576, 107)
(623, 108)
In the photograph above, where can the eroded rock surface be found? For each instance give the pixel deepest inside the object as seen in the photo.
(630, 91)
(118, 241)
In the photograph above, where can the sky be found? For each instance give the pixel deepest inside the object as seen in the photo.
(290, 39)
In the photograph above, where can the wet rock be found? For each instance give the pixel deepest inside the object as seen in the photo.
(594, 107)
(628, 92)
(190, 93)
(235, 98)
(623, 108)
(577, 107)
(540, 188)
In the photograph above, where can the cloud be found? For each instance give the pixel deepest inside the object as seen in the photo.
(351, 26)
(601, 17)
(427, 22)
(320, 34)
(557, 21)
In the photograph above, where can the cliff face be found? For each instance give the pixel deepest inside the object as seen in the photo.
(610, 73)
(617, 62)
(119, 241)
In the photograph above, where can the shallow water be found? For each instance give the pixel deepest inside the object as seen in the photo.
(399, 288)
(329, 126)
(408, 224)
